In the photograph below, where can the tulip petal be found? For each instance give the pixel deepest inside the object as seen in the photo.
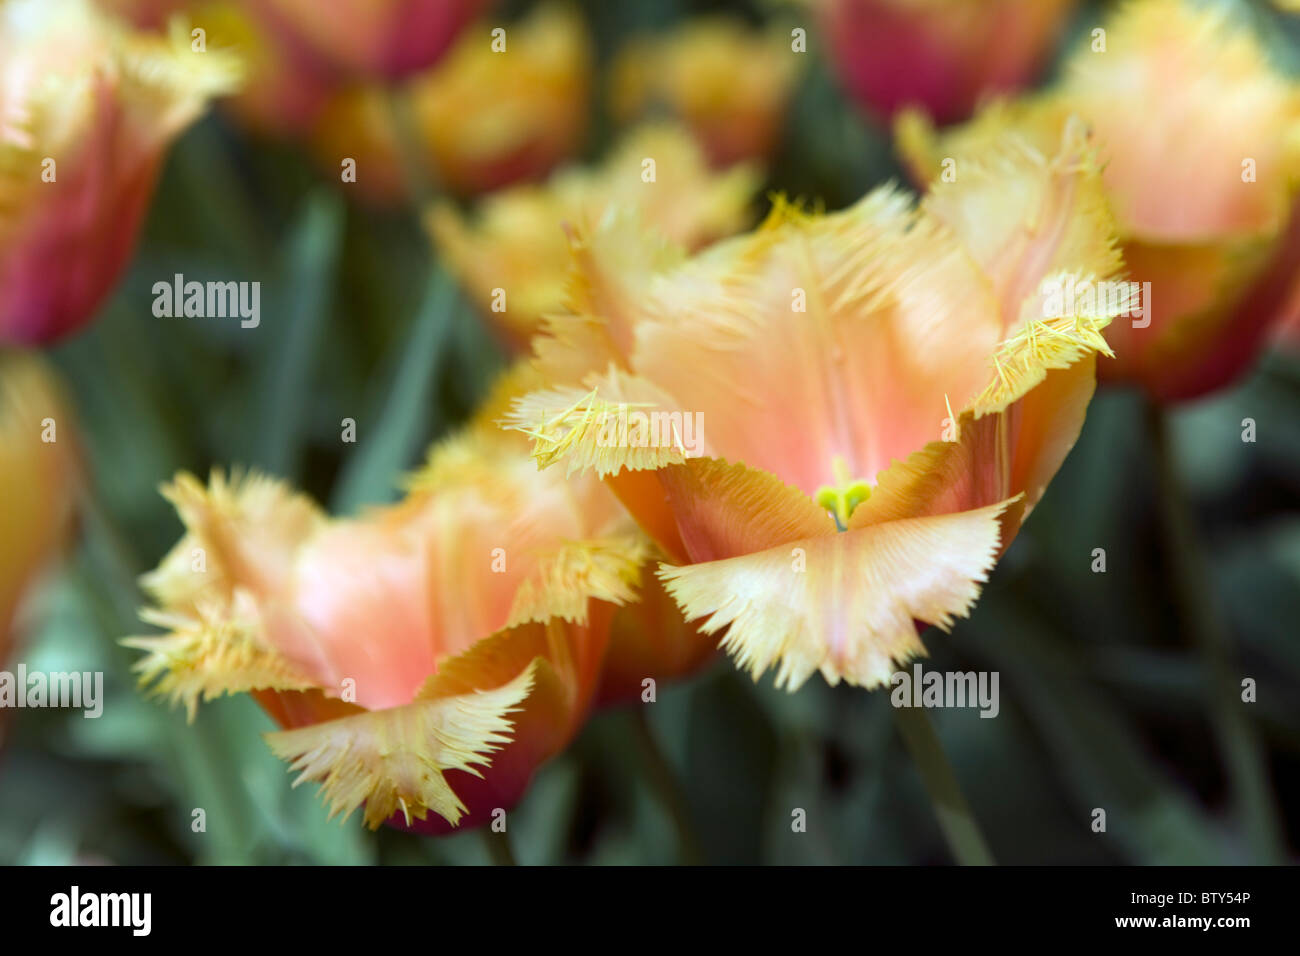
(724, 510)
(395, 760)
(210, 654)
(845, 603)
(566, 579)
(596, 428)
(1025, 216)
(241, 532)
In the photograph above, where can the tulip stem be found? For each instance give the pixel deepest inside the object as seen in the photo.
(1200, 614)
(667, 788)
(950, 806)
(498, 847)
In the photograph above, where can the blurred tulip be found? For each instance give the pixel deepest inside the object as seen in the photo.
(516, 243)
(424, 658)
(730, 84)
(287, 83)
(38, 474)
(1200, 141)
(941, 55)
(87, 110)
(482, 118)
(380, 39)
(855, 411)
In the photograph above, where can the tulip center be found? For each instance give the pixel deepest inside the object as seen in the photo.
(841, 498)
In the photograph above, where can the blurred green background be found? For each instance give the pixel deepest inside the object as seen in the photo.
(1104, 698)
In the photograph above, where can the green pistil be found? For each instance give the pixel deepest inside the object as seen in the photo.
(842, 498)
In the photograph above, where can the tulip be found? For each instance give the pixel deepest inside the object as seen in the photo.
(1200, 140)
(38, 474)
(834, 425)
(513, 255)
(482, 119)
(89, 109)
(730, 84)
(287, 83)
(941, 55)
(381, 39)
(423, 659)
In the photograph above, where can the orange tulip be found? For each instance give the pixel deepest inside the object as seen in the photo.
(730, 84)
(941, 55)
(513, 256)
(834, 425)
(87, 110)
(482, 118)
(385, 39)
(38, 473)
(1200, 140)
(423, 659)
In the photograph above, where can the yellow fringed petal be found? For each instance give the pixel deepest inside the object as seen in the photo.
(396, 759)
(241, 532)
(1026, 217)
(210, 654)
(566, 579)
(1041, 345)
(598, 429)
(845, 603)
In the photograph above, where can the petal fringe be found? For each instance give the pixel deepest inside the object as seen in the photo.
(391, 760)
(843, 604)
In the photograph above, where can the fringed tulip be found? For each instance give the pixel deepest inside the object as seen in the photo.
(423, 659)
(833, 426)
(729, 83)
(1200, 142)
(482, 119)
(513, 255)
(940, 55)
(87, 110)
(380, 39)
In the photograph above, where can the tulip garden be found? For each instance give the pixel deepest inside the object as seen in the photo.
(655, 432)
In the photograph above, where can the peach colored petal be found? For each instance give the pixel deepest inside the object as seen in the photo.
(845, 603)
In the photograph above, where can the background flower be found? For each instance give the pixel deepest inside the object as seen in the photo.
(86, 111)
(942, 55)
(1227, 133)
(730, 84)
(516, 240)
(381, 38)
